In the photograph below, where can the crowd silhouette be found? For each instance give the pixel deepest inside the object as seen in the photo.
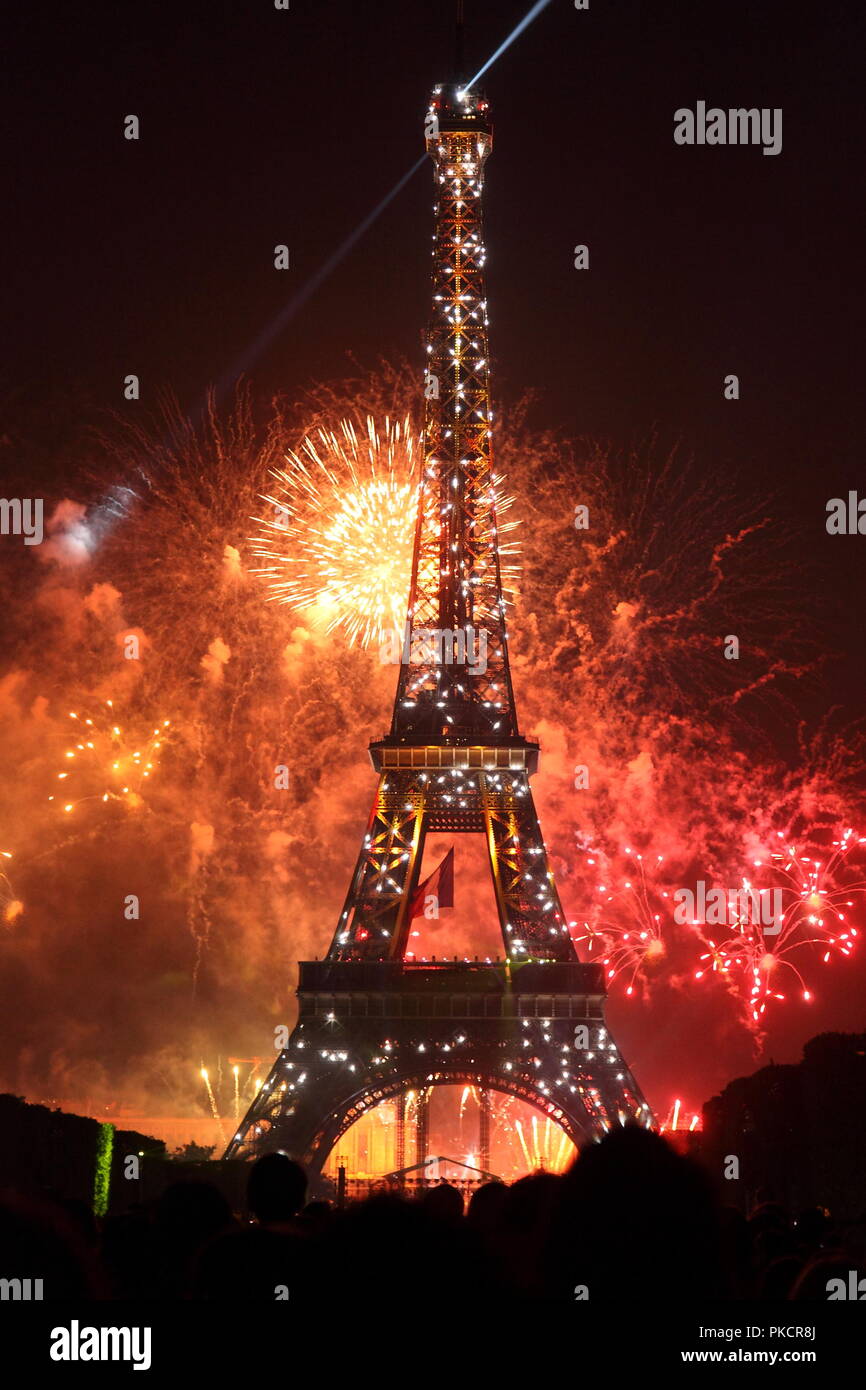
(632, 1217)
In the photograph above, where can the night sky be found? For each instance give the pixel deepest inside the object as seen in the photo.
(261, 127)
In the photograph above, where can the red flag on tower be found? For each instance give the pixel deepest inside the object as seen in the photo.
(436, 891)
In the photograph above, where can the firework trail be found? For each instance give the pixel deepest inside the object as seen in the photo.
(643, 595)
(175, 542)
(11, 906)
(203, 1073)
(675, 1120)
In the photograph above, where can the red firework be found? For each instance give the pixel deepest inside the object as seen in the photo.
(629, 939)
(811, 923)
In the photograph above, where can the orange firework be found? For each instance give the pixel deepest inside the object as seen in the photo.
(102, 762)
(11, 906)
(338, 540)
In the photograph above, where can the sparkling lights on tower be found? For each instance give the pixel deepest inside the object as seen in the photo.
(373, 1025)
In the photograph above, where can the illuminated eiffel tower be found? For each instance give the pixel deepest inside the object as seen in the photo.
(373, 1026)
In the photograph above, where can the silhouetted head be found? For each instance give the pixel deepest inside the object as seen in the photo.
(779, 1278)
(768, 1214)
(486, 1207)
(315, 1217)
(635, 1214)
(764, 1196)
(444, 1202)
(276, 1188)
(531, 1200)
(813, 1226)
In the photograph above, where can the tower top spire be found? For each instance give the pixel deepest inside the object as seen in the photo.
(459, 42)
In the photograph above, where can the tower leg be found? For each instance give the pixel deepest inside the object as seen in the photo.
(422, 1127)
(400, 1135)
(484, 1129)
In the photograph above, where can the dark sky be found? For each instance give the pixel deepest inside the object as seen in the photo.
(261, 127)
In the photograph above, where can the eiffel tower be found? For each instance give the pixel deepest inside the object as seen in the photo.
(372, 1025)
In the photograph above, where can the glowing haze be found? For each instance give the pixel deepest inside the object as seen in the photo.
(223, 782)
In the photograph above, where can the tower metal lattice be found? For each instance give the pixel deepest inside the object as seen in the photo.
(371, 1024)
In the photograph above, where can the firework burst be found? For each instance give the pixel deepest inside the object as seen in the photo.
(811, 925)
(339, 537)
(103, 764)
(817, 894)
(751, 967)
(338, 542)
(629, 938)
